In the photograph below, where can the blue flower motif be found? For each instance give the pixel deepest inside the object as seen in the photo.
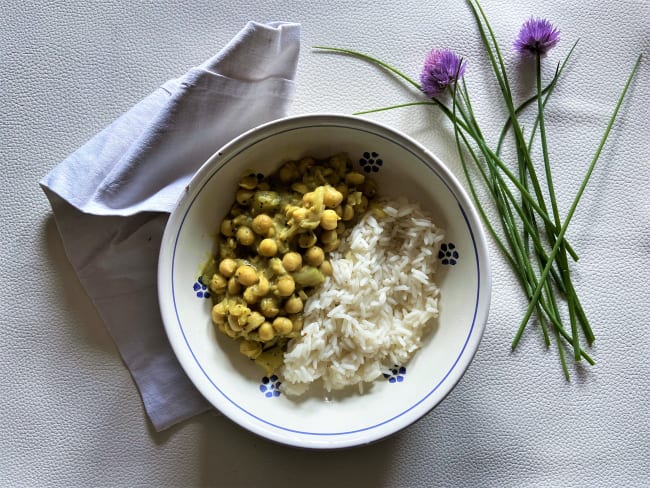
(395, 374)
(448, 254)
(270, 386)
(201, 289)
(370, 162)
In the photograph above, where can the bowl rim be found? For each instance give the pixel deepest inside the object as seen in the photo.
(425, 404)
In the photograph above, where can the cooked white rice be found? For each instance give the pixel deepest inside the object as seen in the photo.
(373, 312)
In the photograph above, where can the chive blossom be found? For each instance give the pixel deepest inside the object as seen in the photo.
(441, 70)
(536, 37)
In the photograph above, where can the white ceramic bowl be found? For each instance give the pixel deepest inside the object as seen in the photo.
(234, 384)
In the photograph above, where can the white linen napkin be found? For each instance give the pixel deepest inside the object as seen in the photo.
(111, 197)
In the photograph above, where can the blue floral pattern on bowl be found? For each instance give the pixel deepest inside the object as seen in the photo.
(270, 386)
(448, 254)
(370, 162)
(201, 289)
(395, 374)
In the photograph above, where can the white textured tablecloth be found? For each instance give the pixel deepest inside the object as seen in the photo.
(69, 412)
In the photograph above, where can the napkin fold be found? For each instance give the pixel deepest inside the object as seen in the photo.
(111, 198)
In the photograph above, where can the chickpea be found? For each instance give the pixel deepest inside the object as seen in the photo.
(328, 236)
(296, 321)
(354, 198)
(244, 196)
(307, 240)
(233, 288)
(253, 321)
(293, 305)
(275, 264)
(289, 172)
(309, 197)
(339, 161)
(221, 308)
(262, 287)
(267, 248)
(233, 323)
(266, 332)
(326, 268)
(329, 220)
(292, 261)
(246, 275)
(378, 212)
(269, 307)
(288, 210)
(282, 325)
(363, 204)
(331, 176)
(354, 178)
(314, 256)
(245, 235)
(248, 182)
(227, 267)
(305, 163)
(250, 295)
(228, 331)
(348, 213)
(238, 309)
(332, 197)
(332, 245)
(261, 224)
(300, 187)
(218, 283)
(240, 220)
(285, 285)
(219, 313)
(250, 349)
(342, 188)
(299, 214)
(242, 320)
(369, 188)
(226, 228)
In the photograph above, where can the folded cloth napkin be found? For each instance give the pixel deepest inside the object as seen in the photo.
(111, 197)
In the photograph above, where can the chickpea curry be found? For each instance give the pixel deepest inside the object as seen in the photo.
(273, 246)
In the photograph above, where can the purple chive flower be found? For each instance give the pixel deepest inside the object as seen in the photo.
(441, 69)
(537, 36)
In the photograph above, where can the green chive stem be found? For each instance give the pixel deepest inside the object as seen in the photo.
(575, 202)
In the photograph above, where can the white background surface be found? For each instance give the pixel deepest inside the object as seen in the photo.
(69, 413)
